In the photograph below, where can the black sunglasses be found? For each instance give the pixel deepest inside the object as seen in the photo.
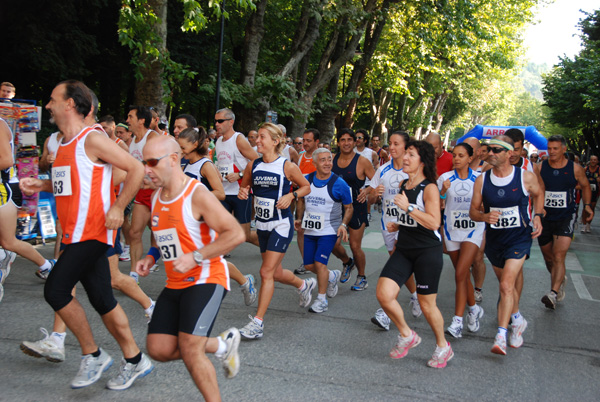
(497, 150)
(154, 162)
(298, 143)
(360, 138)
(221, 121)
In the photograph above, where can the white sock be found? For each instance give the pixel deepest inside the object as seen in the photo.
(517, 318)
(331, 276)
(322, 297)
(473, 308)
(59, 338)
(414, 295)
(245, 283)
(151, 308)
(437, 348)
(222, 347)
(301, 288)
(458, 319)
(135, 276)
(45, 265)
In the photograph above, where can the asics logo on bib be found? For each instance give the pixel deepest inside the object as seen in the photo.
(262, 203)
(312, 216)
(163, 238)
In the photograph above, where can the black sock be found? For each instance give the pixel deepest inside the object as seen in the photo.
(96, 353)
(478, 289)
(135, 359)
(555, 293)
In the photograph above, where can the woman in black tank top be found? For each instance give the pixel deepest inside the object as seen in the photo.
(418, 251)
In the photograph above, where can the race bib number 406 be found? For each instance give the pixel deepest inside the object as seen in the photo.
(390, 211)
(509, 218)
(61, 181)
(460, 220)
(168, 244)
(555, 199)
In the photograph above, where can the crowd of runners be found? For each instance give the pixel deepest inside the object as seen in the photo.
(201, 192)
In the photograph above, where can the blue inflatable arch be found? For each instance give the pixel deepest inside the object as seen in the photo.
(486, 132)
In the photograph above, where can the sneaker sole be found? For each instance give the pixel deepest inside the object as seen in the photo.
(442, 365)
(498, 350)
(453, 335)
(358, 289)
(251, 337)
(376, 322)
(129, 383)
(37, 355)
(316, 312)
(548, 303)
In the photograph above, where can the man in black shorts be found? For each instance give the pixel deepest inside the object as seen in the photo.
(560, 176)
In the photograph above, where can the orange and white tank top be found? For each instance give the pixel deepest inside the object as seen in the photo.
(305, 164)
(83, 191)
(177, 232)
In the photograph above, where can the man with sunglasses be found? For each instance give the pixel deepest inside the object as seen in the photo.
(299, 145)
(504, 192)
(82, 179)
(233, 152)
(193, 231)
(560, 176)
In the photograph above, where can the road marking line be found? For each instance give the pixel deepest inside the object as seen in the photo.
(572, 262)
(373, 240)
(581, 288)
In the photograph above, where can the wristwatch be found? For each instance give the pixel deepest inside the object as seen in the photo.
(410, 209)
(198, 257)
(241, 174)
(295, 195)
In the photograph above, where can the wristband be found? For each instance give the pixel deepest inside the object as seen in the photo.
(540, 215)
(154, 253)
(344, 225)
(587, 205)
(443, 197)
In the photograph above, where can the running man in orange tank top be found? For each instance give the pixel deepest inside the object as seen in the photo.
(193, 231)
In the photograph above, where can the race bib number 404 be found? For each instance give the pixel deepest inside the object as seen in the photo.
(168, 244)
(61, 181)
(264, 207)
(555, 199)
(313, 220)
(509, 218)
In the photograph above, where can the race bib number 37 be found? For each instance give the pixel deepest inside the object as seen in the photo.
(168, 244)
(555, 199)
(509, 218)
(61, 181)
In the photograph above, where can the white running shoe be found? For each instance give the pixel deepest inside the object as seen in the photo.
(516, 334)
(561, 291)
(148, 313)
(154, 268)
(252, 330)
(125, 255)
(381, 319)
(478, 296)
(5, 265)
(46, 347)
(473, 318)
(249, 290)
(43, 273)
(332, 286)
(455, 328)
(415, 307)
(549, 300)
(1, 291)
(319, 306)
(306, 294)
(91, 368)
(499, 347)
(128, 373)
(301, 270)
(231, 359)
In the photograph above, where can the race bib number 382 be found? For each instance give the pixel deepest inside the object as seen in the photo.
(509, 218)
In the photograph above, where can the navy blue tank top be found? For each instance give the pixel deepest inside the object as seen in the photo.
(559, 199)
(513, 226)
(349, 175)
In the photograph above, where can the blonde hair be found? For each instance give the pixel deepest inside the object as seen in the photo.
(276, 134)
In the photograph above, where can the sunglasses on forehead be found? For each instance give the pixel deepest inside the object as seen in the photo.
(154, 161)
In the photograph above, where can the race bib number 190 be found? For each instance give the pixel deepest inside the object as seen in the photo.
(61, 181)
(312, 220)
(168, 244)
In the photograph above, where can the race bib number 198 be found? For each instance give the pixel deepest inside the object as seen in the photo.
(264, 207)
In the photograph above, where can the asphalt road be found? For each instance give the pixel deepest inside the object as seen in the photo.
(338, 355)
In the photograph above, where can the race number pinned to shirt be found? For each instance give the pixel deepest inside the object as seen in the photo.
(61, 181)
(509, 218)
(555, 199)
(460, 220)
(264, 207)
(593, 187)
(168, 244)
(313, 220)
(404, 219)
(390, 211)
(225, 169)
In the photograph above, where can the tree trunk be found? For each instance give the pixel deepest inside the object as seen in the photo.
(150, 91)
